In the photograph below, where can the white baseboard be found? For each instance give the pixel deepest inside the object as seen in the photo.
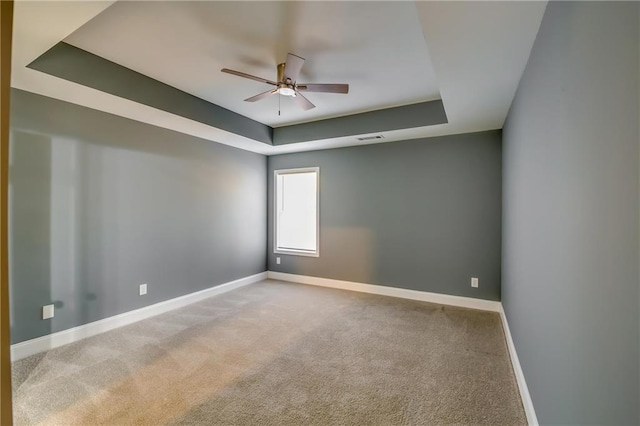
(54, 340)
(443, 299)
(527, 402)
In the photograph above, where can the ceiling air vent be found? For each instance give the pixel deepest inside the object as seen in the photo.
(370, 138)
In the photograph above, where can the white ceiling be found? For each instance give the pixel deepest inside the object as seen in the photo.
(478, 51)
(376, 47)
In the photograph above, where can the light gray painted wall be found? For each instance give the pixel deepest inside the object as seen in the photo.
(100, 204)
(422, 214)
(570, 247)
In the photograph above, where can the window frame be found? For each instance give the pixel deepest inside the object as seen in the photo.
(294, 252)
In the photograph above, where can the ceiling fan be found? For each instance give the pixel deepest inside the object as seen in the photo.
(288, 85)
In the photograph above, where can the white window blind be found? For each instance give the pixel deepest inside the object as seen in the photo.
(296, 221)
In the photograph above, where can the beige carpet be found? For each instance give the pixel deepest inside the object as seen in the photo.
(280, 354)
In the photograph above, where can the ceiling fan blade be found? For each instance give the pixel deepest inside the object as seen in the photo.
(249, 76)
(304, 103)
(261, 95)
(325, 88)
(293, 66)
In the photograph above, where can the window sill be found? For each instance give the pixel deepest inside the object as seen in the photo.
(297, 253)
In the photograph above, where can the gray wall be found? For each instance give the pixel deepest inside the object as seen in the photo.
(570, 247)
(74, 64)
(100, 204)
(422, 214)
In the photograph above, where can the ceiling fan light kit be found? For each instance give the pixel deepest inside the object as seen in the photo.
(287, 84)
(286, 91)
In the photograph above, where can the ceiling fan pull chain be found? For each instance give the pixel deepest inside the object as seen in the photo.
(279, 96)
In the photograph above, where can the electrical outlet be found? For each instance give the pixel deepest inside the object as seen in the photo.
(474, 282)
(143, 289)
(277, 260)
(47, 312)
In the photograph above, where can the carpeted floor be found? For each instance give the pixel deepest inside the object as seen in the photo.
(280, 354)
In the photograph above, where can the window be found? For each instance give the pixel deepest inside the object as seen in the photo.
(296, 211)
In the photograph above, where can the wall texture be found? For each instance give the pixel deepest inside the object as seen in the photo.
(100, 204)
(422, 214)
(570, 233)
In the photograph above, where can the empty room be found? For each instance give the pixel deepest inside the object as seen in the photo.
(319, 213)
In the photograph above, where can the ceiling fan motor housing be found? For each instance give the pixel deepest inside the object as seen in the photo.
(286, 88)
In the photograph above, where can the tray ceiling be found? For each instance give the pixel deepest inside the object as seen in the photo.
(467, 56)
(378, 48)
